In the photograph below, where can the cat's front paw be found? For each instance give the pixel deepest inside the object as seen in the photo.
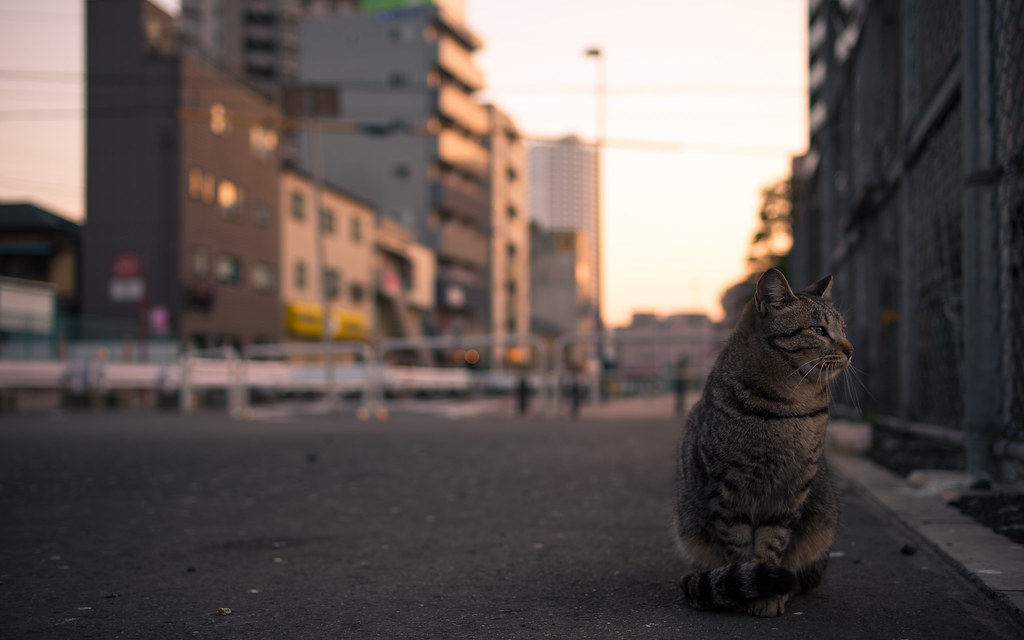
(768, 607)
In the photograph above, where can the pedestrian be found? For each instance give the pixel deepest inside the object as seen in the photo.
(523, 395)
(575, 393)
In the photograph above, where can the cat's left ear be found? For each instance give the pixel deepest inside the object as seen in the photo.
(772, 292)
(822, 288)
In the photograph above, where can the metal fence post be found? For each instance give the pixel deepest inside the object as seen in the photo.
(981, 380)
(186, 401)
(907, 296)
(237, 385)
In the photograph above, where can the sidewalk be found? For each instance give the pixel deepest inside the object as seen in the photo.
(993, 563)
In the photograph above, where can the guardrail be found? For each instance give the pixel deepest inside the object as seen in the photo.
(340, 368)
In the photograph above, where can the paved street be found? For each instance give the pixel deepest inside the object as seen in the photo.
(143, 525)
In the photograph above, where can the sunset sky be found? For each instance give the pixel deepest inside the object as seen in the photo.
(719, 85)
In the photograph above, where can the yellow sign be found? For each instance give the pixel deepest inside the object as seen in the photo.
(305, 320)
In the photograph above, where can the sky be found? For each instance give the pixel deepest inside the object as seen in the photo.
(705, 104)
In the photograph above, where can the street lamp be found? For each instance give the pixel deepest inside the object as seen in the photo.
(599, 133)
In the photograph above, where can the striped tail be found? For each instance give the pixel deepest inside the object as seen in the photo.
(731, 585)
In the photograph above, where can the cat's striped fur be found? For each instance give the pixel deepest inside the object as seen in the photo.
(756, 512)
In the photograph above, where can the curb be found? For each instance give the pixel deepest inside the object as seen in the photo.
(991, 562)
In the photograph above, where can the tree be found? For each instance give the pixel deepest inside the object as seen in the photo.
(774, 234)
(769, 246)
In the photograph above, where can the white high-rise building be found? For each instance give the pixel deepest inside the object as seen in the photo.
(563, 198)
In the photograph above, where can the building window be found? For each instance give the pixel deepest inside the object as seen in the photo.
(219, 124)
(332, 283)
(261, 213)
(258, 44)
(356, 292)
(195, 183)
(200, 262)
(298, 206)
(300, 275)
(263, 279)
(262, 142)
(209, 188)
(326, 220)
(511, 211)
(229, 198)
(357, 229)
(227, 269)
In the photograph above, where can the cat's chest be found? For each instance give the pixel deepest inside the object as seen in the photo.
(772, 458)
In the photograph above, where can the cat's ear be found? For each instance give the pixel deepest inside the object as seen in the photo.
(772, 292)
(822, 288)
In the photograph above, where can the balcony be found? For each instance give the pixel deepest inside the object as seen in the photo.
(463, 199)
(455, 296)
(463, 245)
(454, 59)
(461, 152)
(457, 105)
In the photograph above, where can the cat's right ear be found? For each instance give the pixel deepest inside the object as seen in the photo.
(773, 292)
(822, 288)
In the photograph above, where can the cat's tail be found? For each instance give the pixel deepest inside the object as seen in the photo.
(731, 585)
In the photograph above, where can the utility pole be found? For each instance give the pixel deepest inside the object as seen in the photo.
(600, 99)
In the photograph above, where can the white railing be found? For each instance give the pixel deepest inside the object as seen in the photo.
(341, 368)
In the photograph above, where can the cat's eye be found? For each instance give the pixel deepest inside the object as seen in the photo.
(818, 329)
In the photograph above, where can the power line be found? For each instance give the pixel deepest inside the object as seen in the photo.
(44, 75)
(340, 126)
(44, 186)
(680, 89)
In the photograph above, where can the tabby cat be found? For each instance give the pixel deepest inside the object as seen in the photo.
(756, 512)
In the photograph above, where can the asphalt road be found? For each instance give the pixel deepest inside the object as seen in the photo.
(143, 525)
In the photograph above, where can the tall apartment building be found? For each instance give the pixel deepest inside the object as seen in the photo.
(253, 40)
(411, 138)
(181, 193)
(563, 198)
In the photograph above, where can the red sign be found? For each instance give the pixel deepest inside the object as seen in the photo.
(127, 265)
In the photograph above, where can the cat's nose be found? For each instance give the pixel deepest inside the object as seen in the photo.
(849, 353)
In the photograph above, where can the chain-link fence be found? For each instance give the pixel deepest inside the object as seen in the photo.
(1009, 81)
(916, 205)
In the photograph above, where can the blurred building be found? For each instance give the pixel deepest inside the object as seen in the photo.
(38, 245)
(562, 204)
(913, 199)
(510, 227)
(559, 297)
(406, 276)
(412, 138)
(253, 40)
(182, 187)
(409, 135)
(347, 231)
(657, 350)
